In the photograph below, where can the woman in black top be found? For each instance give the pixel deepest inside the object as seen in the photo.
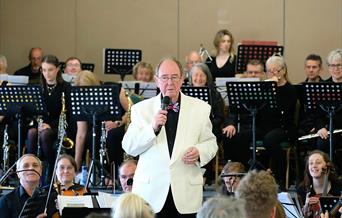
(223, 65)
(53, 87)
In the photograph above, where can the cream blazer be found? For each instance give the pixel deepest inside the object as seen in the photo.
(156, 171)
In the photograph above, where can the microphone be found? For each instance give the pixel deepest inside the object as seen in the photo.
(164, 105)
(18, 171)
(165, 102)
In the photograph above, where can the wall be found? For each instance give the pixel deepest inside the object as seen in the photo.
(83, 28)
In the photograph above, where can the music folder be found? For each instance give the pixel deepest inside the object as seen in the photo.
(74, 202)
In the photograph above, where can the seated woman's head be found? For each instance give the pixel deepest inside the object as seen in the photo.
(231, 174)
(131, 205)
(200, 75)
(143, 71)
(86, 78)
(66, 169)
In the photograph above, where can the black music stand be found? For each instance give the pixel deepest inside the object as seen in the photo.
(328, 97)
(95, 103)
(84, 66)
(259, 52)
(202, 93)
(20, 101)
(120, 61)
(251, 97)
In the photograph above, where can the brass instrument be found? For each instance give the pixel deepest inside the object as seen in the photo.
(67, 143)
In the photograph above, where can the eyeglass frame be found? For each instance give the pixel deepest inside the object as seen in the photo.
(336, 66)
(173, 78)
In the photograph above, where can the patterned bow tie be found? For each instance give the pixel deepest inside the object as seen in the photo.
(174, 107)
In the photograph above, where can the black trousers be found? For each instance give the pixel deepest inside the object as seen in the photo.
(170, 210)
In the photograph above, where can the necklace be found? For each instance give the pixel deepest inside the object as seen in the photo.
(50, 88)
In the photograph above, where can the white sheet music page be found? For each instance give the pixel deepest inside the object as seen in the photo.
(106, 200)
(74, 201)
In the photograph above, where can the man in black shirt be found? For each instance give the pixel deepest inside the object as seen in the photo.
(32, 70)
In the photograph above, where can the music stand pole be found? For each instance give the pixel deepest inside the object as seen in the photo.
(93, 170)
(18, 116)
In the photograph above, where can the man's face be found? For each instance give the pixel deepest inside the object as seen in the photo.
(193, 58)
(29, 177)
(72, 67)
(36, 58)
(127, 172)
(312, 69)
(254, 71)
(169, 79)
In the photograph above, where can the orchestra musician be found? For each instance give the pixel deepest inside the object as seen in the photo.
(143, 71)
(115, 128)
(33, 69)
(29, 170)
(223, 65)
(312, 186)
(231, 175)
(53, 87)
(66, 173)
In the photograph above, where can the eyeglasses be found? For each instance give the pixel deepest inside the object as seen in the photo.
(73, 65)
(174, 78)
(274, 71)
(335, 66)
(253, 72)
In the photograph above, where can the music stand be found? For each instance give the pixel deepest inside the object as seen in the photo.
(328, 97)
(251, 96)
(259, 52)
(144, 89)
(95, 103)
(20, 101)
(202, 93)
(120, 61)
(84, 66)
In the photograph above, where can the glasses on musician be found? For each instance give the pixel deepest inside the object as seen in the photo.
(274, 71)
(337, 66)
(73, 65)
(174, 78)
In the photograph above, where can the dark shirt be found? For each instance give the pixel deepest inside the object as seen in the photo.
(53, 103)
(34, 77)
(227, 70)
(12, 204)
(217, 112)
(171, 126)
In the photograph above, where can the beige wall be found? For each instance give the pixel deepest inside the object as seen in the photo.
(83, 28)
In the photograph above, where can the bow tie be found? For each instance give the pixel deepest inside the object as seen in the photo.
(174, 107)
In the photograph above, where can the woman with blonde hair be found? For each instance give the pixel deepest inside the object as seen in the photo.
(223, 65)
(131, 205)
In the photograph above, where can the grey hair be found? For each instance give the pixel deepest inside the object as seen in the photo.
(205, 69)
(170, 59)
(334, 55)
(222, 207)
(28, 155)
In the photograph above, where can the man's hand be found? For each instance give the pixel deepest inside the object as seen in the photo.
(191, 156)
(229, 131)
(323, 133)
(159, 120)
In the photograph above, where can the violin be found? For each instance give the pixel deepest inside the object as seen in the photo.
(74, 190)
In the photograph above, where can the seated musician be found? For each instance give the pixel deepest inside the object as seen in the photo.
(126, 174)
(53, 87)
(312, 186)
(66, 173)
(238, 127)
(334, 62)
(143, 71)
(231, 175)
(3, 70)
(28, 194)
(115, 129)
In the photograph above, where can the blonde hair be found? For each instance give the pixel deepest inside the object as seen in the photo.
(3, 64)
(140, 65)
(131, 205)
(86, 78)
(217, 40)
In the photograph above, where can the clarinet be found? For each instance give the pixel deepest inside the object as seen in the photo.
(40, 123)
(5, 148)
(103, 151)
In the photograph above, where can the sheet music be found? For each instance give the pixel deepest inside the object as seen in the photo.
(106, 200)
(15, 80)
(74, 201)
(222, 88)
(289, 206)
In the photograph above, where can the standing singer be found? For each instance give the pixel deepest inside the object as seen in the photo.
(173, 143)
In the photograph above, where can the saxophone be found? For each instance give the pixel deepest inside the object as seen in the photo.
(66, 142)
